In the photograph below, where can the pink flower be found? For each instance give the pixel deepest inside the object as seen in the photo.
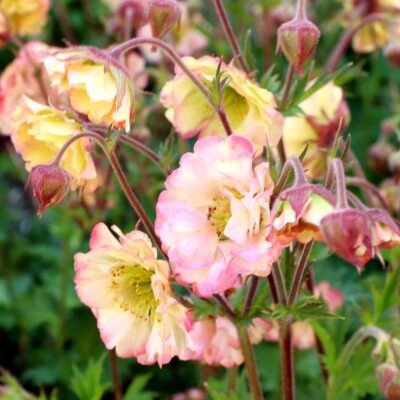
(128, 290)
(213, 216)
(19, 78)
(218, 343)
(333, 297)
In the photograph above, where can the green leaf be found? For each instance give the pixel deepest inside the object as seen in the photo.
(136, 390)
(247, 51)
(270, 80)
(167, 150)
(328, 344)
(88, 384)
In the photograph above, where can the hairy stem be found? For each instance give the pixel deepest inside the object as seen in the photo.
(255, 280)
(133, 200)
(286, 349)
(250, 364)
(116, 379)
(341, 191)
(345, 41)
(219, 7)
(225, 305)
(299, 272)
(174, 56)
(359, 182)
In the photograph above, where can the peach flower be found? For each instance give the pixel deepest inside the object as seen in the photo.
(128, 291)
(213, 216)
(38, 134)
(251, 110)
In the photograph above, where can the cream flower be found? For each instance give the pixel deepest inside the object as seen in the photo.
(96, 86)
(25, 17)
(324, 113)
(213, 216)
(128, 290)
(251, 110)
(21, 78)
(38, 134)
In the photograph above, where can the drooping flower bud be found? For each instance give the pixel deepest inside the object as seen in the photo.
(378, 155)
(135, 10)
(298, 40)
(392, 53)
(163, 15)
(50, 183)
(347, 232)
(394, 163)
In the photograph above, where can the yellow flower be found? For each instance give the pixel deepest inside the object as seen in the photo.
(38, 134)
(96, 86)
(251, 110)
(324, 113)
(25, 17)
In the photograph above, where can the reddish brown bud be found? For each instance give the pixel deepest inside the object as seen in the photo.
(298, 40)
(392, 53)
(378, 155)
(347, 232)
(163, 15)
(50, 183)
(134, 11)
(394, 163)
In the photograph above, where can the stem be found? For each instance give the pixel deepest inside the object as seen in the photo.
(301, 10)
(64, 22)
(255, 280)
(299, 272)
(250, 364)
(287, 87)
(225, 305)
(274, 288)
(369, 187)
(280, 281)
(116, 379)
(345, 41)
(219, 7)
(341, 191)
(133, 200)
(286, 348)
(232, 379)
(142, 148)
(174, 56)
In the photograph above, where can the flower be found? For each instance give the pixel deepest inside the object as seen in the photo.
(50, 184)
(97, 86)
(251, 110)
(213, 216)
(39, 132)
(128, 291)
(375, 34)
(25, 17)
(390, 190)
(163, 15)
(218, 343)
(325, 112)
(21, 78)
(298, 211)
(347, 232)
(333, 297)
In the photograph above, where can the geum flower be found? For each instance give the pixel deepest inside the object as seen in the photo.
(213, 216)
(25, 17)
(325, 112)
(297, 213)
(39, 132)
(98, 86)
(218, 343)
(25, 75)
(251, 110)
(129, 293)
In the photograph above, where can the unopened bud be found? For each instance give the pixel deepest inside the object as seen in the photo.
(163, 15)
(392, 53)
(4, 30)
(133, 11)
(394, 163)
(50, 183)
(378, 156)
(298, 40)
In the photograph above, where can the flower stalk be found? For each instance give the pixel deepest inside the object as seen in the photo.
(286, 347)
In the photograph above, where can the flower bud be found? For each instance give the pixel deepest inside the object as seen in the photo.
(390, 190)
(394, 163)
(4, 30)
(50, 183)
(134, 12)
(392, 53)
(347, 232)
(378, 155)
(163, 15)
(298, 40)
(385, 374)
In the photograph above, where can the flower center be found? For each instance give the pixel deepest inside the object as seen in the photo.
(219, 214)
(133, 290)
(236, 107)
